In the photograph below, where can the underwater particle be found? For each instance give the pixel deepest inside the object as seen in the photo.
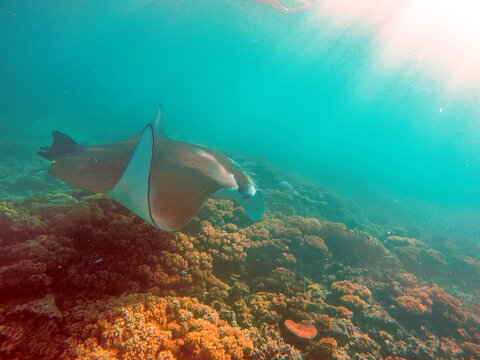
(303, 330)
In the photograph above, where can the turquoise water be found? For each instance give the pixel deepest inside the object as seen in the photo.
(242, 77)
(365, 147)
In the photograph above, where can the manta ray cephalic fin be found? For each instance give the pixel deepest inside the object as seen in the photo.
(158, 125)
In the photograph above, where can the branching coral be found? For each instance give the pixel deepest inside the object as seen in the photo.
(346, 287)
(143, 326)
(352, 246)
(413, 305)
(276, 349)
(226, 244)
(416, 256)
(443, 310)
(323, 348)
(31, 330)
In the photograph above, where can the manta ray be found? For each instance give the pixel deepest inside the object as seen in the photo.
(163, 181)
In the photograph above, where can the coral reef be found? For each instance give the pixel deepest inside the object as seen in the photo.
(181, 328)
(83, 278)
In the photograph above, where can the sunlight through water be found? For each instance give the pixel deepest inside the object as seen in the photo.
(439, 37)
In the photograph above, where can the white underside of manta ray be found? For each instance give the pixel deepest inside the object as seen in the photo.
(163, 181)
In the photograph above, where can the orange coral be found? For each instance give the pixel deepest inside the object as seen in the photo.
(435, 300)
(227, 244)
(338, 311)
(142, 326)
(346, 287)
(303, 330)
(411, 304)
(353, 302)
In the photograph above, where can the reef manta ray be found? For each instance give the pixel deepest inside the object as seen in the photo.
(163, 181)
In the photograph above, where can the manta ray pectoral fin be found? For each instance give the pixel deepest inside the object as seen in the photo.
(177, 193)
(254, 206)
(133, 188)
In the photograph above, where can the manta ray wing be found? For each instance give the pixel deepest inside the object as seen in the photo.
(177, 195)
(182, 179)
(95, 168)
(132, 190)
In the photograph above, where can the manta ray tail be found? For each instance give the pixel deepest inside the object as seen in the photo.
(62, 144)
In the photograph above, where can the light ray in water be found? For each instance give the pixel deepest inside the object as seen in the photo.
(436, 37)
(286, 8)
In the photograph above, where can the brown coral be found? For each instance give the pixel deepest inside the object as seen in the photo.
(352, 246)
(323, 348)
